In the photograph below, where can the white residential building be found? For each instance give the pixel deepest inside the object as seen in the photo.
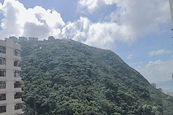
(10, 80)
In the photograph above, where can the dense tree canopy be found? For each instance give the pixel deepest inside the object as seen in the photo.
(64, 77)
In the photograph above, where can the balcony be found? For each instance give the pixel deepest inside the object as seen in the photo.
(18, 106)
(17, 73)
(17, 63)
(18, 95)
(17, 52)
(19, 112)
(15, 78)
(17, 84)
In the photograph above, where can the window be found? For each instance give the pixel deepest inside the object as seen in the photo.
(17, 63)
(17, 84)
(2, 109)
(2, 61)
(17, 52)
(18, 106)
(18, 95)
(2, 97)
(2, 73)
(17, 73)
(2, 84)
(2, 49)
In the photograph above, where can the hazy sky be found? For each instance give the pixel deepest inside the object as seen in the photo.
(137, 30)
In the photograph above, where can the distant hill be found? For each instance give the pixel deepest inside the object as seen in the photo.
(64, 77)
(166, 85)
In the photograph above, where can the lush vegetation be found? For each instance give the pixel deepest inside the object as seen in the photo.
(64, 77)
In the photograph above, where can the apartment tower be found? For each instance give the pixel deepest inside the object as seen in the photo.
(10, 80)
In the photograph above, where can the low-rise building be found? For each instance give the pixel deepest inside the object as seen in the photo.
(33, 39)
(22, 38)
(13, 38)
(51, 38)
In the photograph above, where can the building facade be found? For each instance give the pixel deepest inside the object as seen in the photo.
(22, 38)
(10, 80)
(13, 38)
(33, 39)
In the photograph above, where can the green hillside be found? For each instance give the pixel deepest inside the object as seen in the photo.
(64, 77)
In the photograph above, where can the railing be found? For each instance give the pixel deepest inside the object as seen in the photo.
(18, 95)
(18, 106)
(17, 73)
(17, 84)
(17, 52)
(17, 63)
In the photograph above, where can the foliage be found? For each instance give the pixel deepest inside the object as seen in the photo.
(64, 77)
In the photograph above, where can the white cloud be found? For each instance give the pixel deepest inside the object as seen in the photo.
(89, 4)
(77, 30)
(37, 21)
(130, 56)
(103, 35)
(92, 5)
(156, 71)
(130, 20)
(106, 35)
(159, 52)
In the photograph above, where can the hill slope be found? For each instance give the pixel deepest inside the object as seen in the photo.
(64, 77)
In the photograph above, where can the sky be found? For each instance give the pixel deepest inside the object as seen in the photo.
(137, 30)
